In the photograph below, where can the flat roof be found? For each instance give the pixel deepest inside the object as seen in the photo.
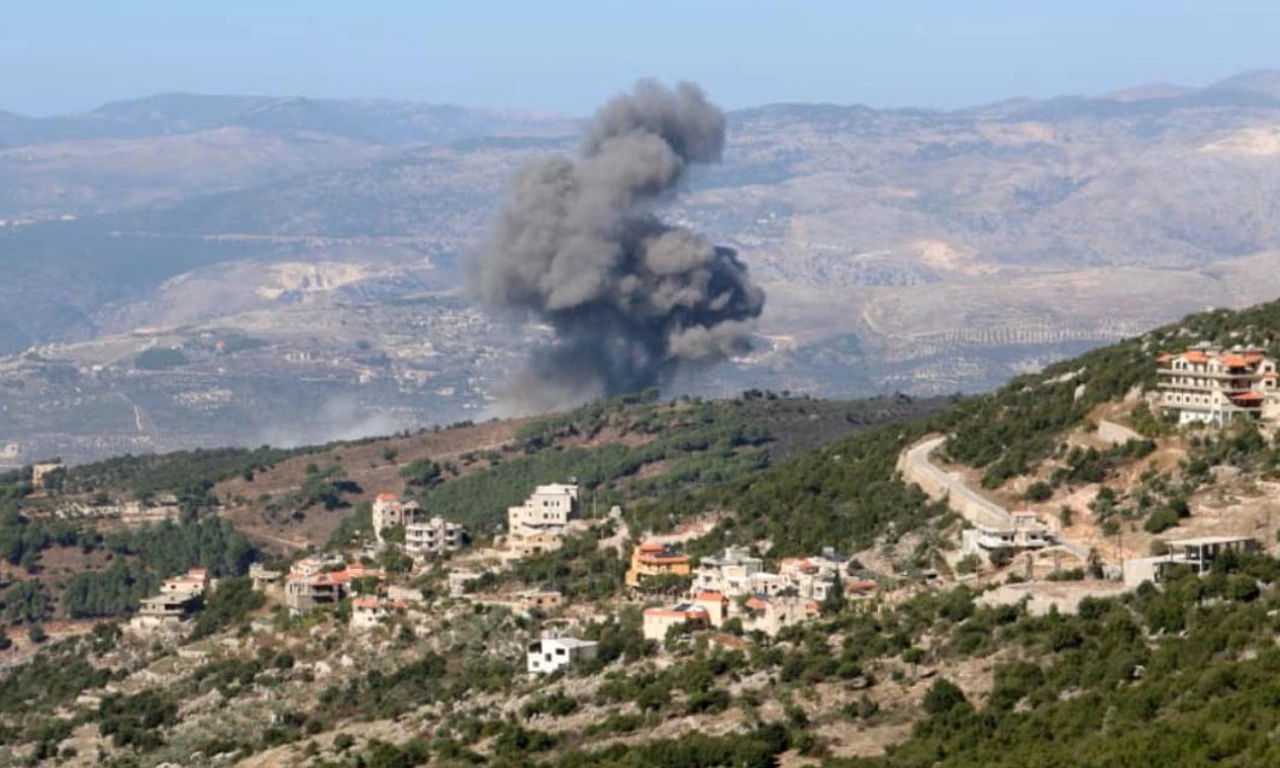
(1207, 540)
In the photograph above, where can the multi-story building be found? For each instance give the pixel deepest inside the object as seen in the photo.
(389, 509)
(179, 597)
(730, 572)
(1210, 385)
(653, 559)
(436, 536)
(306, 589)
(1196, 554)
(423, 536)
(539, 524)
(1025, 532)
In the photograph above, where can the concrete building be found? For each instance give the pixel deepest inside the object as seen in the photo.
(433, 537)
(652, 559)
(729, 572)
(179, 597)
(1026, 532)
(551, 654)
(771, 615)
(538, 525)
(1197, 554)
(814, 577)
(305, 591)
(540, 599)
(1208, 384)
(716, 604)
(261, 577)
(657, 621)
(423, 536)
(459, 579)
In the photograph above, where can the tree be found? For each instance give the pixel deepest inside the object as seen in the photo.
(943, 696)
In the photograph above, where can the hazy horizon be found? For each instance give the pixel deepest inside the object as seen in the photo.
(565, 57)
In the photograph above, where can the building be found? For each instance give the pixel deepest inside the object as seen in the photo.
(814, 577)
(771, 615)
(390, 510)
(657, 621)
(433, 537)
(538, 525)
(261, 577)
(304, 591)
(370, 612)
(731, 573)
(540, 599)
(179, 597)
(551, 654)
(1197, 554)
(1025, 532)
(716, 604)
(1207, 384)
(652, 559)
(40, 473)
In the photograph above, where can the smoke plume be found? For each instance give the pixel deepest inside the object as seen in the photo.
(631, 299)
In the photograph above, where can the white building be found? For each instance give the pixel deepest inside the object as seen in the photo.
(1026, 532)
(554, 653)
(389, 509)
(729, 572)
(436, 536)
(1211, 385)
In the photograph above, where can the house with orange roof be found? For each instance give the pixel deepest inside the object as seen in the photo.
(1210, 385)
(653, 559)
(304, 591)
(372, 611)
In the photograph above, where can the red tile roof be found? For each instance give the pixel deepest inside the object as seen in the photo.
(1248, 397)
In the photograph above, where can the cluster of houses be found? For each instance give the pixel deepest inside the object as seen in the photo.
(734, 584)
(424, 537)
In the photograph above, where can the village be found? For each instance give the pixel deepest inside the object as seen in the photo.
(729, 596)
(725, 597)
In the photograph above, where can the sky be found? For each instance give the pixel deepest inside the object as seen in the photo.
(554, 55)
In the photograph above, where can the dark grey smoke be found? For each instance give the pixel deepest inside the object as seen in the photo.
(631, 298)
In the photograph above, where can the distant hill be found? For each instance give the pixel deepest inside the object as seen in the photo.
(378, 121)
(903, 249)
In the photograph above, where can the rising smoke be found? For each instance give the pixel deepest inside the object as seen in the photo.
(632, 299)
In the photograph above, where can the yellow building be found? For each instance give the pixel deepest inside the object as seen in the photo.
(653, 559)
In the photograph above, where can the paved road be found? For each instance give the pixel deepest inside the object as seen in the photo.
(937, 482)
(917, 466)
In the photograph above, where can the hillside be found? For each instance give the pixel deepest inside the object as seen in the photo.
(925, 660)
(902, 250)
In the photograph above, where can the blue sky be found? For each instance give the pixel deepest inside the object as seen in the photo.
(59, 55)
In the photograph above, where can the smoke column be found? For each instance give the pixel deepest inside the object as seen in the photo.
(631, 298)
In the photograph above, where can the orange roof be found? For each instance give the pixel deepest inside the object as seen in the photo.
(1253, 355)
(757, 604)
(388, 497)
(1164, 358)
(862, 585)
(717, 596)
(1195, 356)
(653, 546)
(1248, 397)
(1235, 361)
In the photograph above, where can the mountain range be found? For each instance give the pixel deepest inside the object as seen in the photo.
(902, 249)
